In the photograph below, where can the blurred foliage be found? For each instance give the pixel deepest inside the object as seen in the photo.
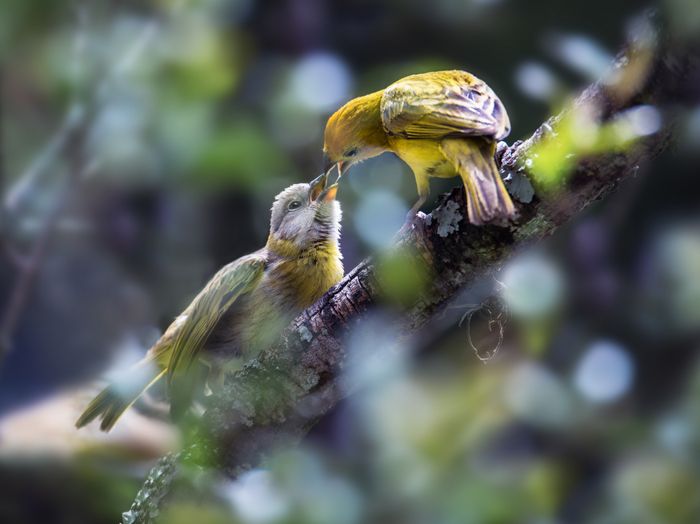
(578, 135)
(402, 276)
(243, 151)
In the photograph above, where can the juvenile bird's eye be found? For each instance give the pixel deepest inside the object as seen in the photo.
(294, 204)
(351, 152)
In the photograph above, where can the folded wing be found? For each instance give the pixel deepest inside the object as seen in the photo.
(442, 104)
(209, 306)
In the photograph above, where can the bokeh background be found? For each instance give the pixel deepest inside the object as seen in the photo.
(141, 144)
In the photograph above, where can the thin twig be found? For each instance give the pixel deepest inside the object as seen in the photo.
(30, 266)
(74, 119)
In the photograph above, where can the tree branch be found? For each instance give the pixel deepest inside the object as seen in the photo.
(279, 396)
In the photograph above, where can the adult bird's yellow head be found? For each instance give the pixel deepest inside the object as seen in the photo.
(354, 133)
(304, 215)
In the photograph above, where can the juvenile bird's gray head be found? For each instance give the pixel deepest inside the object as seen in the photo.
(305, 214)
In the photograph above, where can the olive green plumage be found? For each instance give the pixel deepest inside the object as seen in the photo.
(442, 124)
(246, 304)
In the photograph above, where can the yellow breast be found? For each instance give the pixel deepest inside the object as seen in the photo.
(314, 273)
(423, 156)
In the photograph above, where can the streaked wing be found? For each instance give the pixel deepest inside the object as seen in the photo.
(209, 306)
(447, 103)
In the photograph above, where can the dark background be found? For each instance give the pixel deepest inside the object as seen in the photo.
(198, 113)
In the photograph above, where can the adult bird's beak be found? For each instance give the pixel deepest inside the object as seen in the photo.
(340, 170)
(318, 184)
(328, 164)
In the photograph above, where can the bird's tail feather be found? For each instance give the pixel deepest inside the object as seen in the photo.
(118, 396)
(487, 197)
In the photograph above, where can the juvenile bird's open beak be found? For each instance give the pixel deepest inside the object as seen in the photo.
(329, 193)
(319, 192)
(318, 184)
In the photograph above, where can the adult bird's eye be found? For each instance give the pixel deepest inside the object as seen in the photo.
(351, 153)
(294, 204)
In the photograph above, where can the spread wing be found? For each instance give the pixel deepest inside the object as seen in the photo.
(195, 325)
(447, 103)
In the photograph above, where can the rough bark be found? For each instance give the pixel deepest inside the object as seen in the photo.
(279, 396)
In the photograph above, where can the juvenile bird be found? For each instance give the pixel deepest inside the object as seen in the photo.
(245, 306)
(442, 124)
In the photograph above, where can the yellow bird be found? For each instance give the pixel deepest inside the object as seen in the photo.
(245, 306)
(442, 124)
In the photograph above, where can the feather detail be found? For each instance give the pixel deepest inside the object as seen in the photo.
(205, 311)
(120, 394)
(441, 104)
(487, 197)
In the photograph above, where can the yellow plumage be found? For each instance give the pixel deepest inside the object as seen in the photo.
(442, 124)
(244, 307)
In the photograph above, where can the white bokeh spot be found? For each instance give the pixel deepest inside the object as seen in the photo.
(604, 373)
(256, 498)
(321, 82)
